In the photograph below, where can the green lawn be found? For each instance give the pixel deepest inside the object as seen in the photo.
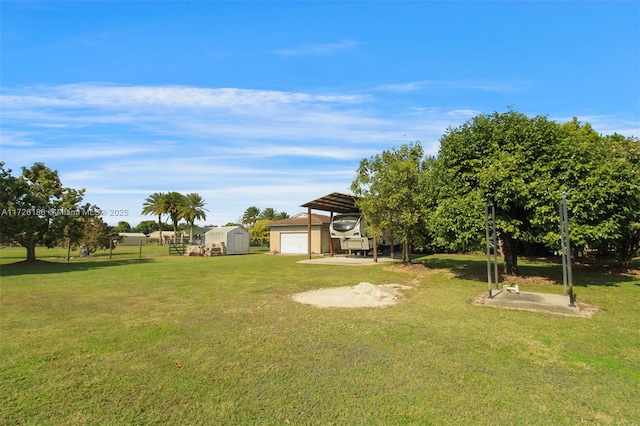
(189, 340)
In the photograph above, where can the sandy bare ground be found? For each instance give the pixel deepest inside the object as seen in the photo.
(347, 260)
(363, 295)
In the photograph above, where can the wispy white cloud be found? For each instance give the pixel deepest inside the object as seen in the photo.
(334, 152)
(485, 86)
(222, 114)
(236, 147)
(606, 124)
(317, 49)
(112, 96)
(11, 138)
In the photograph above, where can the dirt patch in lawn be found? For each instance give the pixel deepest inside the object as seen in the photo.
(363, 295)
(522, 280)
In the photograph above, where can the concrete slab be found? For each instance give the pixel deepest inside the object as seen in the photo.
(347, 260)
(539, 302)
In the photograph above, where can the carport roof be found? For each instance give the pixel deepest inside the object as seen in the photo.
(334, 202)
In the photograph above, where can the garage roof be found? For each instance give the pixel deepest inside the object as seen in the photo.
(301, 219)
(334, 202)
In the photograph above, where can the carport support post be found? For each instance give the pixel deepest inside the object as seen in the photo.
(331, 253)
(309, 231)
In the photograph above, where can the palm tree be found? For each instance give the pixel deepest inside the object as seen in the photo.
(272, 214)
(268, 213)
(250, 215)
(194, 210)
(174, 203)
(155, 204)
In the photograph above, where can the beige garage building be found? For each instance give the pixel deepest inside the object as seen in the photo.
(290, 236)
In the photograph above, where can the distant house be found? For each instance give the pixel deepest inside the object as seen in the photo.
(234, 238)
(290, 236)
(198, 234)
(132, 239)
(167, 236)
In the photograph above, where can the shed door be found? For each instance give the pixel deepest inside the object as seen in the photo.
(293, 243)
(238, 247)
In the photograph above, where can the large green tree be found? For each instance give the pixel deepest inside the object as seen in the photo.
(522, 165)
(123, 226)
(69, 224)
(451, 214)
(601, 176)
(498, 159)
(387, 189)
(146, 226)
(97, 234)
(259, 232)
(35, 207)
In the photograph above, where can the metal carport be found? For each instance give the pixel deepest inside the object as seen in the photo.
(335, 202)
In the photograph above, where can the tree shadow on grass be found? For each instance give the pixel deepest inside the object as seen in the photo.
(43, 267)
(534, 271)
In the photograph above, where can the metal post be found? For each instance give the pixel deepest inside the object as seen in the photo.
(495, 245)
(563, 251)
(331, 250)
(568, 249)
(308, 232)
(486, 223)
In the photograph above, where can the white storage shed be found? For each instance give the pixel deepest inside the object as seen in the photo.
(235, 239)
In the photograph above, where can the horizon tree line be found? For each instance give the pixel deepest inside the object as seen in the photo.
(519, 164)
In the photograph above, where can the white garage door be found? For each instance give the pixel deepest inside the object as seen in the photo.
(293, 243)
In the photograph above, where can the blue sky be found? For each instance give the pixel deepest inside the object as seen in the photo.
(274, 104)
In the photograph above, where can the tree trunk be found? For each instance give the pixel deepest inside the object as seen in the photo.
(510, 251)
(406, 251)
(160, 241)
(31, 251)
(623, 250)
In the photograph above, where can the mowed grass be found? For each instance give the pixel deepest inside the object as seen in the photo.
(188, 340)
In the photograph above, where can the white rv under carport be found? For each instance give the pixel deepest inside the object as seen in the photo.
(234, 238)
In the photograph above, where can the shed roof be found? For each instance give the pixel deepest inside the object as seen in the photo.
(224, 229)
(301, 219)
(335, 202)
